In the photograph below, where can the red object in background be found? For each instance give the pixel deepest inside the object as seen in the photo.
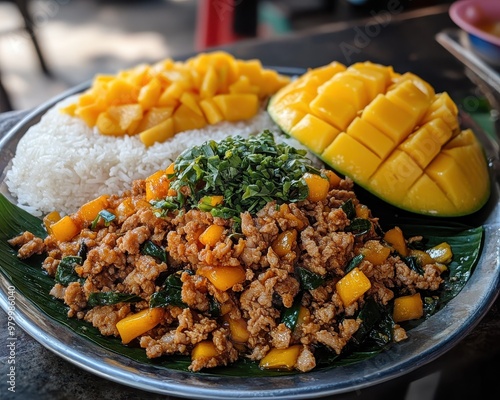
(214, 24)
(225, 21)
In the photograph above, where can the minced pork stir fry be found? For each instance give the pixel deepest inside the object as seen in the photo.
(239, 249)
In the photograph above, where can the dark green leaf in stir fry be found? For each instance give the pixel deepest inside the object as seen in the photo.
(65, 273)
(359, 226)
(309, 280)
(150, 248)
(290, 316)
(414, 265)
(370, 315)
(110, 298)
(355, 261)
(104, 215)
(170, 294)
(348, 208)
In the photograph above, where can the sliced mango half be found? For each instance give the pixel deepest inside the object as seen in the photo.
(391, 133)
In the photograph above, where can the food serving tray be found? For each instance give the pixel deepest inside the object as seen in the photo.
(427, 341)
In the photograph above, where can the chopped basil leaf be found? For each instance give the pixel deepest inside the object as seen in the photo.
(359, 226)
(168, 203)
(171, 294)
(370, 314)
(309, 280)
(213, 307)
(382, 334)
(82, 252)
(150, 248)
(413, 264)
(249, 173)
(348, 208)
(355, 261)
(106, 216)
(290, 316)
(65, 272)
(110, 298)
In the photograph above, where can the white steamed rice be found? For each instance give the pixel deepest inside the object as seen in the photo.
(61, 163)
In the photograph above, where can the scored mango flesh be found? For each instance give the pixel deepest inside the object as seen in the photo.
(157, 101)
(390, 133)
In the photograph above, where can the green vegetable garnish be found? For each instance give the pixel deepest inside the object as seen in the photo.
(150, 248)
(65, 272)
(110, 298)
(106, 216)
(171, 294)
(355, 261)
(290, 316)
(309, 280)
(249, 173)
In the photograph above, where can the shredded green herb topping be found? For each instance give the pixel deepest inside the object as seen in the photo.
(248, 173)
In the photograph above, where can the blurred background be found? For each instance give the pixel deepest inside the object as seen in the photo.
(48, 46)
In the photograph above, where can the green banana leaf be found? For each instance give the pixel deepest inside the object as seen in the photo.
(32, 282)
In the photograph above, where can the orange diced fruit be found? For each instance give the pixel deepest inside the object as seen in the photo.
(238, 328)
(125, 209)
(333, 178)
(65, 229)
(211, 111)
(209, 84)
(125, 115)
(149, 94)
(408, 307)
(236, 107)
(283, 244)
(396, 239)
(157, 186)
(153, 117)
(186, 119)
(189, 99)
(91, 209)
(134, 325)
(375, 252)
(352, 286)
(223, 277)
(318, 186)
(158, 133)
(204, 349)
(50, 219)
(281, 359)
(211, 235)
(107, 125)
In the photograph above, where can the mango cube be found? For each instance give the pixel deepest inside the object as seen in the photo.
(236, 107)
(281, 359)
(158, 133)
(134, 325)
(223, 277)
(211, 235)
(396, 239)
(65, 229)
(89, 211)
(204, 349)
(313, 132)
(352, 286)
(361, 163)
(408, 307)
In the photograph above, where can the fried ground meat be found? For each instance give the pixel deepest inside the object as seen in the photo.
(245, 319)
(105, 317)
(28, 245)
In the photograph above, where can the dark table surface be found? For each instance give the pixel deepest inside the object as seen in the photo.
(404, 40)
